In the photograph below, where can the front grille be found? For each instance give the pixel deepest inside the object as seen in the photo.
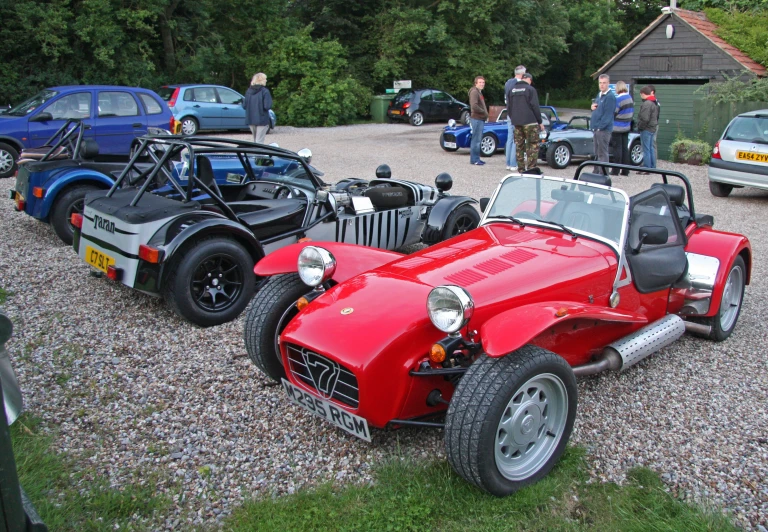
(330, 379)
(449, 137)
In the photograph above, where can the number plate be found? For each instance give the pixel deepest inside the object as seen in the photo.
(449, 144)
(752, 156)
(97, 259)
(396, 112)
(339, 417)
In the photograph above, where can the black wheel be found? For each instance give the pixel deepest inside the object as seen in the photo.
(211, 282)
(727, 315)
(461, 220)
(488, 145)
(265, 319)
(721, 190)
(510, 419)
(189, 126)
(464, 118)
(8, 158)
(417, 118)
(636, 153)
(71, 201)
(559, 155)
(442, 143)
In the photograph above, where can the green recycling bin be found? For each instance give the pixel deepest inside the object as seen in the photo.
(379, 106)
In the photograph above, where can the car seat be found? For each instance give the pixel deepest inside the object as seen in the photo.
(572, 211)
(204, 172)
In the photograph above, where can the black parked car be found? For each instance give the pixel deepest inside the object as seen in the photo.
(424, 105)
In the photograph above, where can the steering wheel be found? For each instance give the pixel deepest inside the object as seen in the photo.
(282, 192)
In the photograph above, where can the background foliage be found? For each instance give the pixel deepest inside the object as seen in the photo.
(324, 58)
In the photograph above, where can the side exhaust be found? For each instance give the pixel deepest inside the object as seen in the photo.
(633, 348)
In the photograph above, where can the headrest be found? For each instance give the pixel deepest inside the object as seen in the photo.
(204, 169)
(676, 193)
(89, 149)
(597, 179)
(567, 195)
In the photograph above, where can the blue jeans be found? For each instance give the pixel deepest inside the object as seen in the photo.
(510, 149)
(649, 154)
(477, 136)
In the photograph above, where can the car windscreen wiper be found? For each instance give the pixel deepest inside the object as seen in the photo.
(561, 226)
(510, 218)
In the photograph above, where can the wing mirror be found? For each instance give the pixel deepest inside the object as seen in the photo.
(652, 235)
(41, 117)
(484, 204)
(306, 154)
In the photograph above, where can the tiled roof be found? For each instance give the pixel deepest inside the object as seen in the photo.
(699, 22)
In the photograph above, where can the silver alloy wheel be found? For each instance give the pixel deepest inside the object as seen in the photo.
(531, 427)
(731, 302)
(6, 161)
(487, 145)
(417, 118)
(562, 155)
(636, 154)
(188, 126)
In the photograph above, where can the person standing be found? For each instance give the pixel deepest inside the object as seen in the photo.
(656, 136)
(510, 150)
(601, 123)
(523, 102)
(647, 123)
(478, 113)
(257, 103)
(622, 123)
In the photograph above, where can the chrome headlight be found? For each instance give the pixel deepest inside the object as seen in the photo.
(449, 308)
(316, 265)
(451, 123)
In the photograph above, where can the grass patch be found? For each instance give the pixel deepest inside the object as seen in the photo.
(65, 497)
(4, 295)
(410, 496)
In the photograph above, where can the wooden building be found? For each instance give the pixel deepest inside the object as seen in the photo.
(677, 53)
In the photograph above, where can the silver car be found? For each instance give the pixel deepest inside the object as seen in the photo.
(740, 157)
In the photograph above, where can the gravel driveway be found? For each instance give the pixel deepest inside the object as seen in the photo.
(133, 389)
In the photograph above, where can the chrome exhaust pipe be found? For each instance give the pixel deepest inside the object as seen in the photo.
(698, 328)
(631, 349)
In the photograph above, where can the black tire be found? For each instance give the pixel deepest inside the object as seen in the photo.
(188, 292)
(486, 393)
(721, 190)
(461, 220)
(464, 118)
(189, 126)
(269, 313)
(417, 118)
(71, 201)
(488, 145)
(442, 144)
(727, 315)
(559, 155)
(9, 158)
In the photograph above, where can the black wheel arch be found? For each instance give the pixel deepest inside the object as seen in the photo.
(13, 143)
(439, 214)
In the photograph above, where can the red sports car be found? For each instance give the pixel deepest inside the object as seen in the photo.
(489, 330)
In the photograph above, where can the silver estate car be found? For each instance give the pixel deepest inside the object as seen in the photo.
(740, 157)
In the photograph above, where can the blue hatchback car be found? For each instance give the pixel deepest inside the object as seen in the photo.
(115, 116)
(206, 107)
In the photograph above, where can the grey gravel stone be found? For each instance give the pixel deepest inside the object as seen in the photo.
(146, 388)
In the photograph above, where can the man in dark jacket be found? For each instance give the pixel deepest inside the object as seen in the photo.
(478, 114)
(257, 103)
(523, 105)
(511, 150)
(601, 123)
(647, 123)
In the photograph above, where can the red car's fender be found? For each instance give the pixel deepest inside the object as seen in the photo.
(351, 259)
(514, 328)
(725, 247)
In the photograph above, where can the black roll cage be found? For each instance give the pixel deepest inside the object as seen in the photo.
(65, 134)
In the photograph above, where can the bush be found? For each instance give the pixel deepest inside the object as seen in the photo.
(690, 151)
(736, 90)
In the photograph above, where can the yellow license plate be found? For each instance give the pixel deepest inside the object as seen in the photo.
(97, 259)
(752, 156)
(19, 201)
(396, 112)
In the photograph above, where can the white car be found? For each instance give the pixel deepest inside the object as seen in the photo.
(740, 157)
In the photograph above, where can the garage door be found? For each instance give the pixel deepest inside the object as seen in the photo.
(676, 111)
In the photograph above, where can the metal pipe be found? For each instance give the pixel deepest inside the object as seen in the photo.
(609, 359)
(698, 328)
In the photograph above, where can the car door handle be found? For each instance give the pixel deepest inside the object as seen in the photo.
(137, 124)
(196, 106)
(225, 108)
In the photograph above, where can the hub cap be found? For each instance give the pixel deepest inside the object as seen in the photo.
(636, 154)
(729, 306)
(487, 145)
(418, 119)
(188, 127)
(217, 283)
(531, 426)
(562, 157)
(6, 161)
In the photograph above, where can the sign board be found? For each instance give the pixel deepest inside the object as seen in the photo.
(391, 91)
(402, 84)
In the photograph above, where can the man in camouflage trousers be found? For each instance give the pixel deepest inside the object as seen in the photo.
(524, 113)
